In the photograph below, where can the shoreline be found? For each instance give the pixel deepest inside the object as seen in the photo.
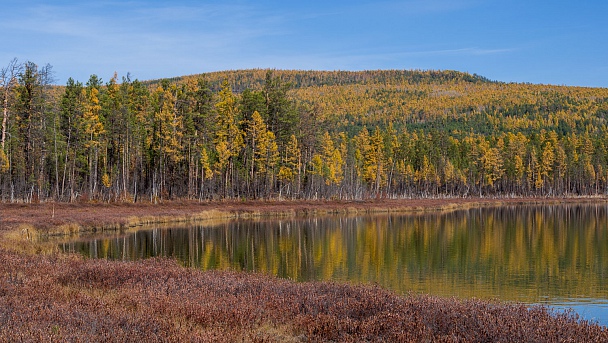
(51, 218)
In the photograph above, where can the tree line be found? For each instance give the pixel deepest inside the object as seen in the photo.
(260, 134)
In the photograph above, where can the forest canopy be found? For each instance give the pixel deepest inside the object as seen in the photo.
(259, 134)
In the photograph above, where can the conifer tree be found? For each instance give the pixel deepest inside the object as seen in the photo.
(8, 82)
(72, 138)
(228, 137)
(92, 128)
(256, 138)
(289, 172)
(282, 119)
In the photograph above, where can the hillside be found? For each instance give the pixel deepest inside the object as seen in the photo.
(419, 97)
(302, 134)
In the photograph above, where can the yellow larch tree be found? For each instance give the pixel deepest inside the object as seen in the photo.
(92, 128)
(228, 137)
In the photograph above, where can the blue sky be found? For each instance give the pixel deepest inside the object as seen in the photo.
(552, 42)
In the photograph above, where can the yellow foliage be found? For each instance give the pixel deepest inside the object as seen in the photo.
(90, 121)
(4, 163)
(106, 181)
(205, 165)
(285, 174)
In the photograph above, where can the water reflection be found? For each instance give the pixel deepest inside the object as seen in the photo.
(550, 254)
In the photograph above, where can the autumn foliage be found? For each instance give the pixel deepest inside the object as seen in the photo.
(275, 134)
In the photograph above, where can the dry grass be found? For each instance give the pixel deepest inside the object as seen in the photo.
(68, 219)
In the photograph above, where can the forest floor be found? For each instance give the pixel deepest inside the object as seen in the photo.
(51, 296)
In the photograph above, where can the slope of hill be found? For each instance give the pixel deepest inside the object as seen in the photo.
(415, 98)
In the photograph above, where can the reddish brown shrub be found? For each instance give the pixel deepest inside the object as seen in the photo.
(67, 298)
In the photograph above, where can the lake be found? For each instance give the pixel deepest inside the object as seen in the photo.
(555, 255)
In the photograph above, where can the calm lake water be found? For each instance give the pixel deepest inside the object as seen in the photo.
(555, 255)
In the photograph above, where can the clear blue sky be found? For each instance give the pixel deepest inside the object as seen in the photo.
(552, 42)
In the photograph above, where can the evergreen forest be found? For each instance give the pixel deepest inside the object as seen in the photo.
(286, 134)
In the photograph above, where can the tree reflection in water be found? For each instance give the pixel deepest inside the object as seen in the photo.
(548, 254)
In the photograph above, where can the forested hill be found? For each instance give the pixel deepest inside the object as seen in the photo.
(425, 100)
(256, 78)
(300, 134)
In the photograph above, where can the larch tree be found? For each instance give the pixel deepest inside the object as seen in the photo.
(192, 141)
(92, 128)
(291, 164)
(168, 133)
(491, 164)
(267, 157)
(362, 145)
(228, 137)
(375, 164)
(206, 171)
(256, 139)
(332, 161)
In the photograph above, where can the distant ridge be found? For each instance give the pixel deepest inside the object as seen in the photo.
(254, 78)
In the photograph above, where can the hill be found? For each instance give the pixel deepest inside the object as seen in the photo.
(429, 99)
(303, 134)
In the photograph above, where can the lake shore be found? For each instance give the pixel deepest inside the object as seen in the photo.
(48, 296)
(64, 218)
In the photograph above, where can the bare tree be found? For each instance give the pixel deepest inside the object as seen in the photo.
(8, 80)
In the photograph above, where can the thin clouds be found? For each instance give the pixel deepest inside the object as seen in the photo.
(462, 52)
(125, 36)
(362, 58)
(47, 20)
(93, 21)
(420, 7)
(155, 39)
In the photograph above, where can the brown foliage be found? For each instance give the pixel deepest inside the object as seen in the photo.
(67, 298)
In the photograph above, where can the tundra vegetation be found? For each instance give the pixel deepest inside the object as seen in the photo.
(67, 298)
